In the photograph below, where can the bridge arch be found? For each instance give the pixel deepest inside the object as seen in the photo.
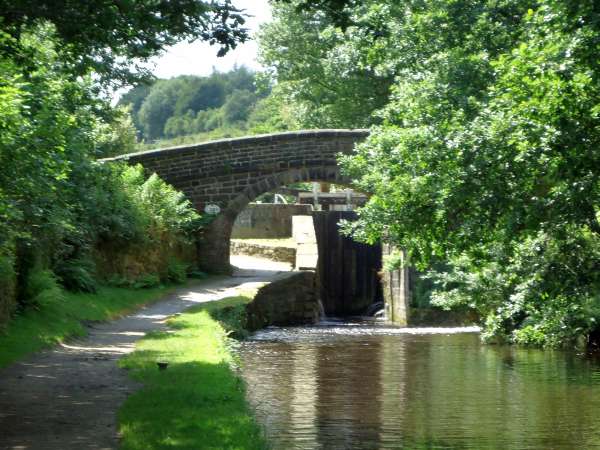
(230, 173)
(216, 238)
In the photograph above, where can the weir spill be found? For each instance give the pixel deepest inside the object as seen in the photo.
(361, 384)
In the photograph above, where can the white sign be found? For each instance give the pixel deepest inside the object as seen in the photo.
(212, 209)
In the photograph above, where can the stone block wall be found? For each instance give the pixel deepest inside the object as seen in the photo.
(289, 301)
(266, 221)
(396, 291)
(274, 253)
(230, 173)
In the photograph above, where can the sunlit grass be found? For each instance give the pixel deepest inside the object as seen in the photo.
(59, 319)
(197, 402)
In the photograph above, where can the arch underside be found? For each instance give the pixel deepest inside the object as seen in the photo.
(329, 174)
(214, 247)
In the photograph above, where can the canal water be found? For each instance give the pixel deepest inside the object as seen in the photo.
(364, 385)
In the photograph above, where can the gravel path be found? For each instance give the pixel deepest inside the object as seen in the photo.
(67, 397)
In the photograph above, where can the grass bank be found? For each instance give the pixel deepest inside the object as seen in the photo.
(198, 402)
(61, 318)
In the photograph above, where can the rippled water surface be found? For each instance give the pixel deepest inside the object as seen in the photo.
(368, 386)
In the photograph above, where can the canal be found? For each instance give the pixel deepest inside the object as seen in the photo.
(366, 385)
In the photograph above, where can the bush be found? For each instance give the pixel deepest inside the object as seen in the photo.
(176, 272)
(149, 225)
(57, 204)
(147, 281)
(42, 287)
(544, 293)
(119, 281)
(77, 275)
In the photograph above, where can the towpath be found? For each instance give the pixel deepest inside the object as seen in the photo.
(67, 397)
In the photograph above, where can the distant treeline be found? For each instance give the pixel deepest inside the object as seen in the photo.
(219, 105)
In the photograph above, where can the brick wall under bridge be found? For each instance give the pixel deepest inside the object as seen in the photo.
(231, 173)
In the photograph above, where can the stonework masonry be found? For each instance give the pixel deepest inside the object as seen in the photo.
(219, 172)
(396, 290)
(267, 220)
(293, 300)
(230, 173)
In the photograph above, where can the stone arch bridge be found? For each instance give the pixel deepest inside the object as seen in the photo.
(231, 173)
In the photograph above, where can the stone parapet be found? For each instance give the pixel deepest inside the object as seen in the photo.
(217, 172)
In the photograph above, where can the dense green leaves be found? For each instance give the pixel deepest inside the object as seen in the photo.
(486, 155)
(57, 206)
(330, 78)
(197, 108)
(111, 38)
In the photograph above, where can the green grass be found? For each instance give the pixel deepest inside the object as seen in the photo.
(59, 319)
(198, 402)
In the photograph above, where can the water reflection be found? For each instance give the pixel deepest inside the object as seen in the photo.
(363, 386)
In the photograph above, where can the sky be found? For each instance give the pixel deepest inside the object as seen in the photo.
(200, 58)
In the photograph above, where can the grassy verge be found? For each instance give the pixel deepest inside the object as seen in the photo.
(59, 319)
(198, 402)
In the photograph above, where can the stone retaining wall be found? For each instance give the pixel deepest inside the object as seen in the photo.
(267, 221)
(290, 301)
(281, 254)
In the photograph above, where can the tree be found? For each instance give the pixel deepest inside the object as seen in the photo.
(239, 78)
(488, 158)
(187, 105)
(110, 37)
(200, 94)
(485, 152)
(332, 78)
(238, 106)
(338, 11)
(271, 114)
(159, 106)
(134, 98)
(57, 204)
(497, 153)
(116, 137)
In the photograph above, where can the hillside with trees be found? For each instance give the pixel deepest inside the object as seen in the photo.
(194, 109)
